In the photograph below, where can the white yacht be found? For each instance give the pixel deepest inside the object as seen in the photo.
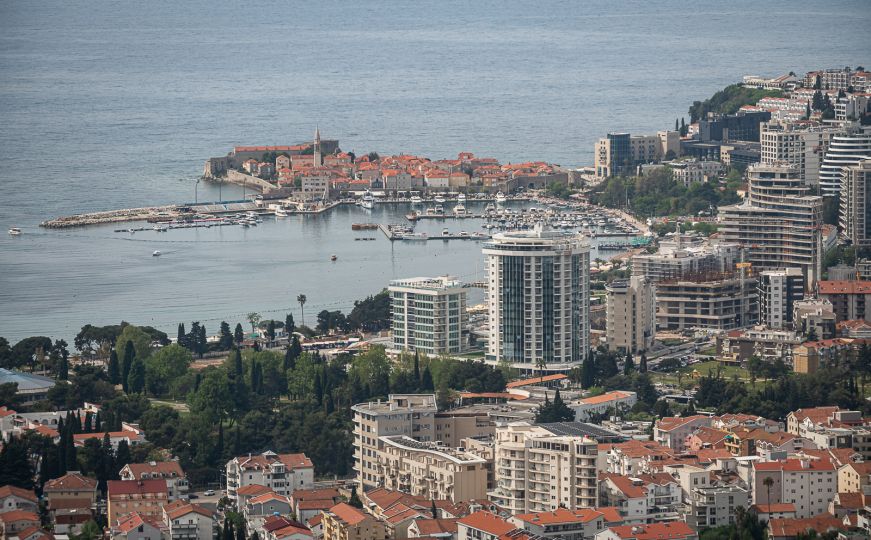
(415, 199)
(156, 253)
(439, 199)
(281, 212)
(461, 198)
(460, 210)
(368, 201)
(500, 197)
(15, 231)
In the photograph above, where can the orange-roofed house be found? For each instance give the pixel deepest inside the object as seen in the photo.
(675, 530)
(146, 497)
(267, 504)
(189, 521)
(809, 483)
(482, 525)
(580, 524)
(767, 512)
(70, 491)
(171, 471)
(281, 473)
(138, 526)
(673, 431)
(642, 498)
(16, 498)
(789, 529)
(115, 437)
(344, 522)
(15, 521)
(855, 478)
(632, 456)
(433, 528)
(591, 407)
(308, 503)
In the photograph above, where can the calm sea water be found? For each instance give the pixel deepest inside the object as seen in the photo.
(106, 105)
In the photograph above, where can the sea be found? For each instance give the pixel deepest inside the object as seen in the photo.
(108, 105)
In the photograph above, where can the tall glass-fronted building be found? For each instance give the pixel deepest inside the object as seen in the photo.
(538, 294)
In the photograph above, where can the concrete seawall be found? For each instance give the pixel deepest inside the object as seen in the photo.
(111, 216)
(242, 179)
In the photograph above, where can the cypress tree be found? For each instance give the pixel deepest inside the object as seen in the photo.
(426, 382)
(417, 367)
(182, 335)
(642, 364)
(122, 455)
(114, 369)
(588, 371)
(127, 363)
(628, 364)
(15, 469)
(289, 325)
(240, 531)
(136, 378)
(238, 334)
(319, 389)
(70, 449)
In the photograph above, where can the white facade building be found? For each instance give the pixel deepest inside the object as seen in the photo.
(282, 473)
(802, 144)
(429, 314)
(539, 299)
(846, 149)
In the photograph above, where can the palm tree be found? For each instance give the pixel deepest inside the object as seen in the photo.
(253, 318)
(768, 482)
(541, 364)
(301, 299)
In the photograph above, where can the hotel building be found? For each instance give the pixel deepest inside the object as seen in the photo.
(429, 314)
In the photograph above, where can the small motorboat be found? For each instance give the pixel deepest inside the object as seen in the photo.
(156, 253)
(281, 212)
(416, 199)
(333, 257)
(15, 231)
(439, 199)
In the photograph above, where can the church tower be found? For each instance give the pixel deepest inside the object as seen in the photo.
(318, 158)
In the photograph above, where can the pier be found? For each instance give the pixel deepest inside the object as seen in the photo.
(406, 235)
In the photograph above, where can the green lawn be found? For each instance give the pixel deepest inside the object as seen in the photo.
(686, 380)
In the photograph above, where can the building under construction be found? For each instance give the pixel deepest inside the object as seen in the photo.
(710, 301)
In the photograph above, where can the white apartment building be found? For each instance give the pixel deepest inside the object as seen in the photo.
(619, 152)
(538, 470)
(630, 314)
(855, 211)
(432, 470)
(538, 294)
(779, 290)
(707, 502)
(779, 224)
(694, 171)
(679, 256)
(282, 473)
(171, 471)
(415, 416)
(808, 483)
(642, 498)
(803, 144)
(846, 149)
(428, 314)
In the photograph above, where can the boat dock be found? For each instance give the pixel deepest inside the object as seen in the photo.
(405, 235)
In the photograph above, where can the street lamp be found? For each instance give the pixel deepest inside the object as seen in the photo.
(196, 199)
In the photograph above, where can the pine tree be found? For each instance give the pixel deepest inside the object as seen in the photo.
(295, 348)
(434, 510)
(238, 334)
(15, 469)
(114, 369)
(202, 340)
(319, 389)
(127, 363)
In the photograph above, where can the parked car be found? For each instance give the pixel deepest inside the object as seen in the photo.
(209, 492)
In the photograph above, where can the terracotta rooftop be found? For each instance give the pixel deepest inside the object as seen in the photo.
(348, 514)
(71, 481)
(428, 527)
(162, 468)
(844, 287)
(654, 531)
(773, 508)
(537, 380)
(131, 487)
(793, 527)
(8, 491)
(486, 522)
(605, 398)
(561, 515)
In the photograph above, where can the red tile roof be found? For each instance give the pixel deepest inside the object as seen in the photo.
(794, 465)
(786, 527)
(561, 515)
(486, 522)
(606, 397)
(436, 526)
(537, 380)
(8, 491)
(18, 515)
(186, 509)
(131, 487)
(252, 490)
(654, 531)
(71, 482)
(773, 508)
(844, 287)
(163, 468)
(348, 514)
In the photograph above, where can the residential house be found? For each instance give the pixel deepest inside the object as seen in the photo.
(809, 483)
(281, 473)
(72, 495)
(344, 522)
(189, 521)
(580, 524)
(433, 528)
(483, 525)
(603, 404)
(16, 498)
(145, 497)
(855, 478)
(171, 471)
(644, 498)
(673, 431)
(307, 503)
(13, 522)
(138, 526)
(675, 530)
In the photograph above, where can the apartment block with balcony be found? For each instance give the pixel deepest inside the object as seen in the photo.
(431, 470)
(780, 223)
(707, 301)
(643, 498)
(802, 144)
(537, 470)
(630, 315)
(855, 203)
(428, 315)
